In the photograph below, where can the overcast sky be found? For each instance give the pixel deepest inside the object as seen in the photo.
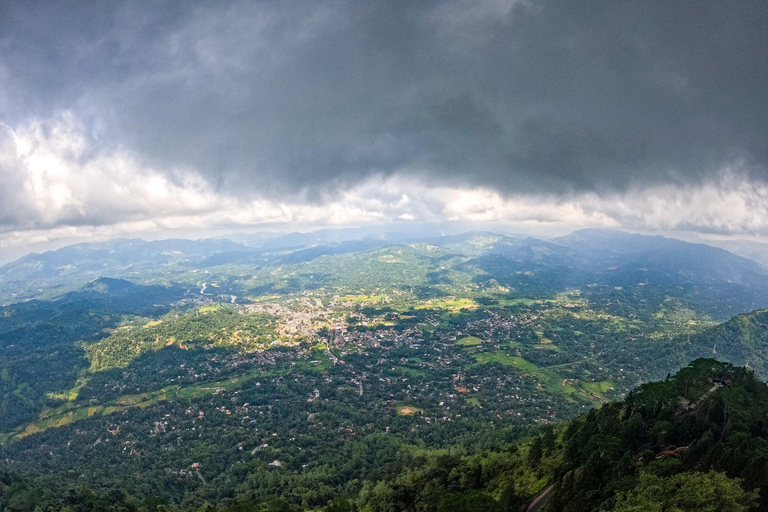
(120, 118)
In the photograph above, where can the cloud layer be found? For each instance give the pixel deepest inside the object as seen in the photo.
(56, 190)
(618, 113)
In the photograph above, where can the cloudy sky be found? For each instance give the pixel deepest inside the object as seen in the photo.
(164, 117)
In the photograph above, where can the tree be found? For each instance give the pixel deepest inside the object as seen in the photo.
(470, 501)
(686, 492)
(535, 453)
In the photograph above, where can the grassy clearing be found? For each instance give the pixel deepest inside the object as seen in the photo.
(408, 410)
(518, 302)
(554, 382)
(318, 361)
(522, 363)
(71, 412)
(50, 421)
(469, 341)
(412, 372)
(548, 378)
(570, 297)
(598, 388)
(505, 359)
(362, 299)
(263, 298)
(199, 390)
(473, 401)
(70, 394)
(451, 304)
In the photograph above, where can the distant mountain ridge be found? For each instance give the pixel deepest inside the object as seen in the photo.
(635, 257)
(589, 257)
(749, 249)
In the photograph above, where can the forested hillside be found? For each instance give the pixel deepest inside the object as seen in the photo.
(742, 340)
(696, 441)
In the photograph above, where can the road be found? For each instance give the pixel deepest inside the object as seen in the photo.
(540, 500)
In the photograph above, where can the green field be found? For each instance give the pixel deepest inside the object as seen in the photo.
(71, 412)
(318, 360)
(413, 372)
(520, 302)
(469, 341)
(598, 388)
(548, 378)
(504, 359)
(450, 304)
(362, 299)
(554, 382)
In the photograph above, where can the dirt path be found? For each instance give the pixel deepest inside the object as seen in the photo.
(540, 500)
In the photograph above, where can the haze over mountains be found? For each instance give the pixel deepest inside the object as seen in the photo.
(590, 256)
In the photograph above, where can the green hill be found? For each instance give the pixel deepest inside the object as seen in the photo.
(742, 340)
(696, 441)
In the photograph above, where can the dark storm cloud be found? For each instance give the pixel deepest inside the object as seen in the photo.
(529, 96)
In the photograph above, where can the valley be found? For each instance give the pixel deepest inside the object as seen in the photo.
(310, 375)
